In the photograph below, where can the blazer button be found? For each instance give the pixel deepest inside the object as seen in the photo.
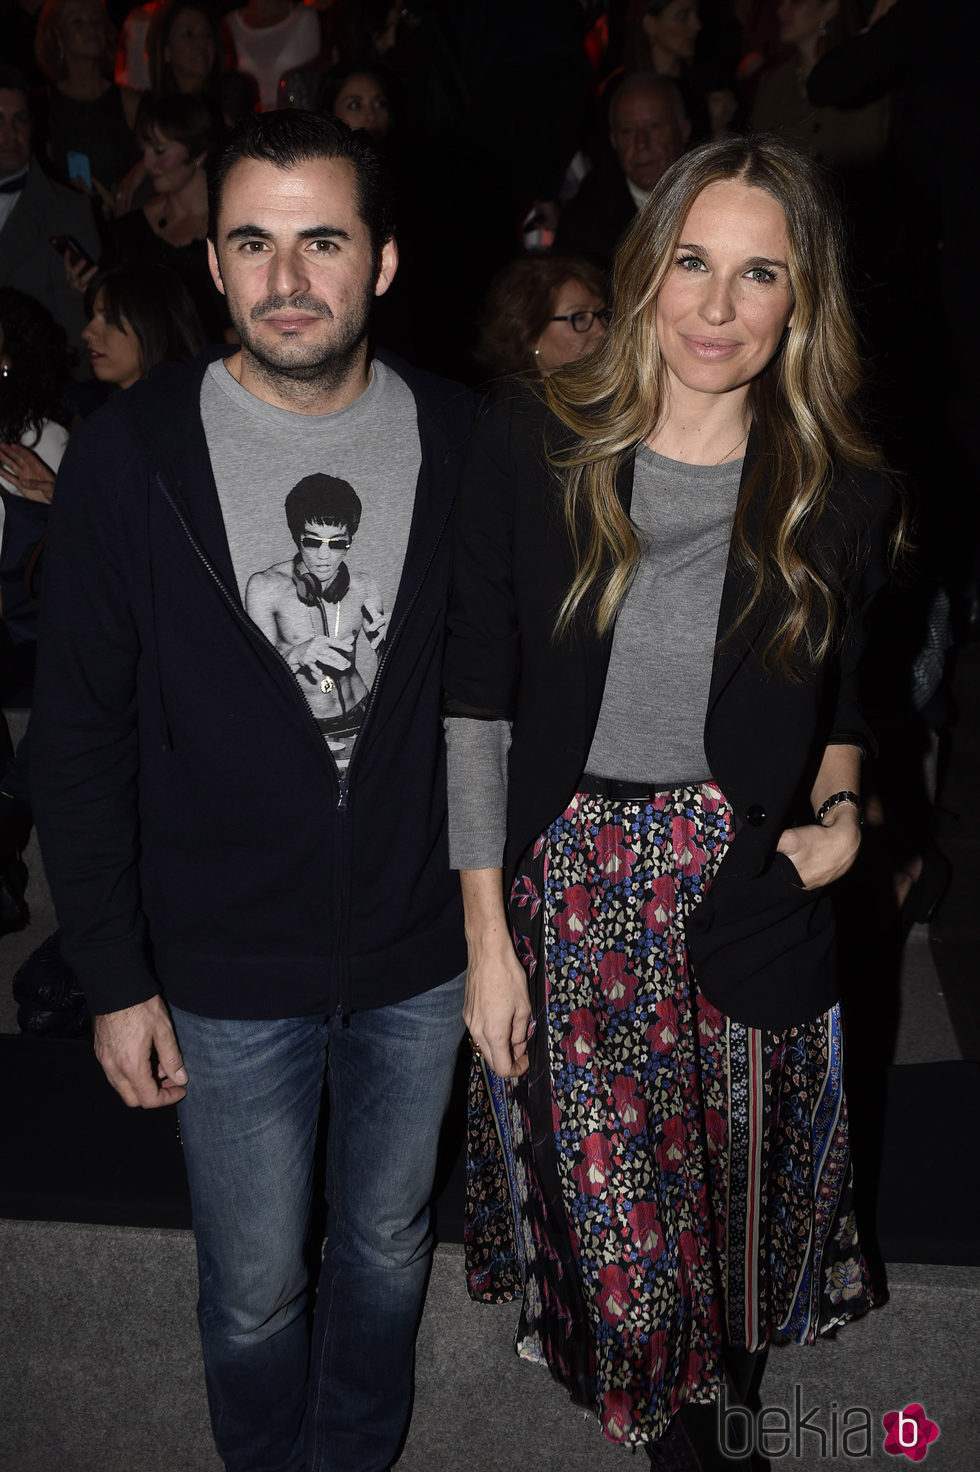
(756, 815)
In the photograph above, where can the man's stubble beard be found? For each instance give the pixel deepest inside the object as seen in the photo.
(324, 366)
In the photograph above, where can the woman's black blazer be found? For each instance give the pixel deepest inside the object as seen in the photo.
(762, 947)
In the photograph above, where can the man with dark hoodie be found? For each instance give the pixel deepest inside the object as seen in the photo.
(246, 914)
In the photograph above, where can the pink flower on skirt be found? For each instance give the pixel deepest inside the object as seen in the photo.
(614, 858)
(579, 1045)
(618, 984)
(688, 853)
(631, 1105)
(614, 1293)
(591, 1172)
(617, 1408)
(670, 1150)
(575, 916)
(716, 1127)
(662, 1035)
(647, 1231)
(658, 911)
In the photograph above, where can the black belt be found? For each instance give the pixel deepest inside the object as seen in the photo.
(621, 791)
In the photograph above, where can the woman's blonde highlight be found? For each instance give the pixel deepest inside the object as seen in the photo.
(802, 406)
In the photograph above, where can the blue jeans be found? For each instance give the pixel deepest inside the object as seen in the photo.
(249, 1124)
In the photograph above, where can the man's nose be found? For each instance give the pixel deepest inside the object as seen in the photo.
(288, 274)
(641, 140)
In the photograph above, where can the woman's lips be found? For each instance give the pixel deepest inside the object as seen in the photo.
(711, 347)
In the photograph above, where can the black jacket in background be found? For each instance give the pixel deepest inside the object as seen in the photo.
(195, 834)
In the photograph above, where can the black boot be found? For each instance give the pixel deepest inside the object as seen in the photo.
(673, 1452)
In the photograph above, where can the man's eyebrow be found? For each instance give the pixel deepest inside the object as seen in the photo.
(311, 232)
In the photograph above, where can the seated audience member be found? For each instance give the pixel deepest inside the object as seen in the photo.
(177, 133)
(648, 131)
(140, 315)
(86, 119)
(33, 369)
(270, 38)
(184, 50)
(34, 211)
(842, 137)
(540, 313)
(665, 36)
(359, 95)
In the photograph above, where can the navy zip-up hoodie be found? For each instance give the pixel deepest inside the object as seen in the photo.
(196, 836)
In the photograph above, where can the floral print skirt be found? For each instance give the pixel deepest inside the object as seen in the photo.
(663, 1180)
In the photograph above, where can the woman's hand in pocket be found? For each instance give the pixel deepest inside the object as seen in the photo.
(822, 852)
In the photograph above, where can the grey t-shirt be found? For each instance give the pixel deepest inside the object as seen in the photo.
(654, 703)
(651, 724)
(321, 589)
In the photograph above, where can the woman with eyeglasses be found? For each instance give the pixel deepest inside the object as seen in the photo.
(541, 312)
(664, 554)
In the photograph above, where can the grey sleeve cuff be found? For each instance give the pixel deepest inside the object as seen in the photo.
(477, 769)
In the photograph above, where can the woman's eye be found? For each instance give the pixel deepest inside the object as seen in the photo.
(762, 273)
(691, 263)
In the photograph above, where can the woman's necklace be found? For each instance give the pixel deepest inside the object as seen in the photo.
(733, 449)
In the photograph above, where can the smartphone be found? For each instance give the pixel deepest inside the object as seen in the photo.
(68, 245)
(79, 168)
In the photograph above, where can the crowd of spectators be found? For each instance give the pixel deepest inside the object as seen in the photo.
(522, 139)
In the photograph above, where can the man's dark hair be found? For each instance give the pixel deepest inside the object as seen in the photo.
(292, 137)
(322, 500)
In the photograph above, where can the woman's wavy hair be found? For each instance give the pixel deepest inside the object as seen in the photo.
(802, 404)
(49, 48)
(40, 362)
(162, 79)
(519, 305)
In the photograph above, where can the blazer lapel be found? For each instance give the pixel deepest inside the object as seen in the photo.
(731, 652)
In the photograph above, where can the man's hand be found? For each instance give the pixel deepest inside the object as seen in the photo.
(138, 1050)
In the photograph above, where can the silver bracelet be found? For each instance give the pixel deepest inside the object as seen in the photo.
(835, 800)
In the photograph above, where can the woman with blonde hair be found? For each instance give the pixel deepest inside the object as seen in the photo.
(663, 561)
(85, 119)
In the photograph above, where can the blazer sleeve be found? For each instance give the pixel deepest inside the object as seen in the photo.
(84, 738)
(482, 665)
(877, 499)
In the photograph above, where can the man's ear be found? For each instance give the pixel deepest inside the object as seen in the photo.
(388, 267)
(215, 268)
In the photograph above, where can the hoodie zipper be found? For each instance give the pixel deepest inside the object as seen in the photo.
(342, 866)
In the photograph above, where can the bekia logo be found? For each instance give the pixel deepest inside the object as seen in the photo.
(811, 1434)
(909, 1432)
